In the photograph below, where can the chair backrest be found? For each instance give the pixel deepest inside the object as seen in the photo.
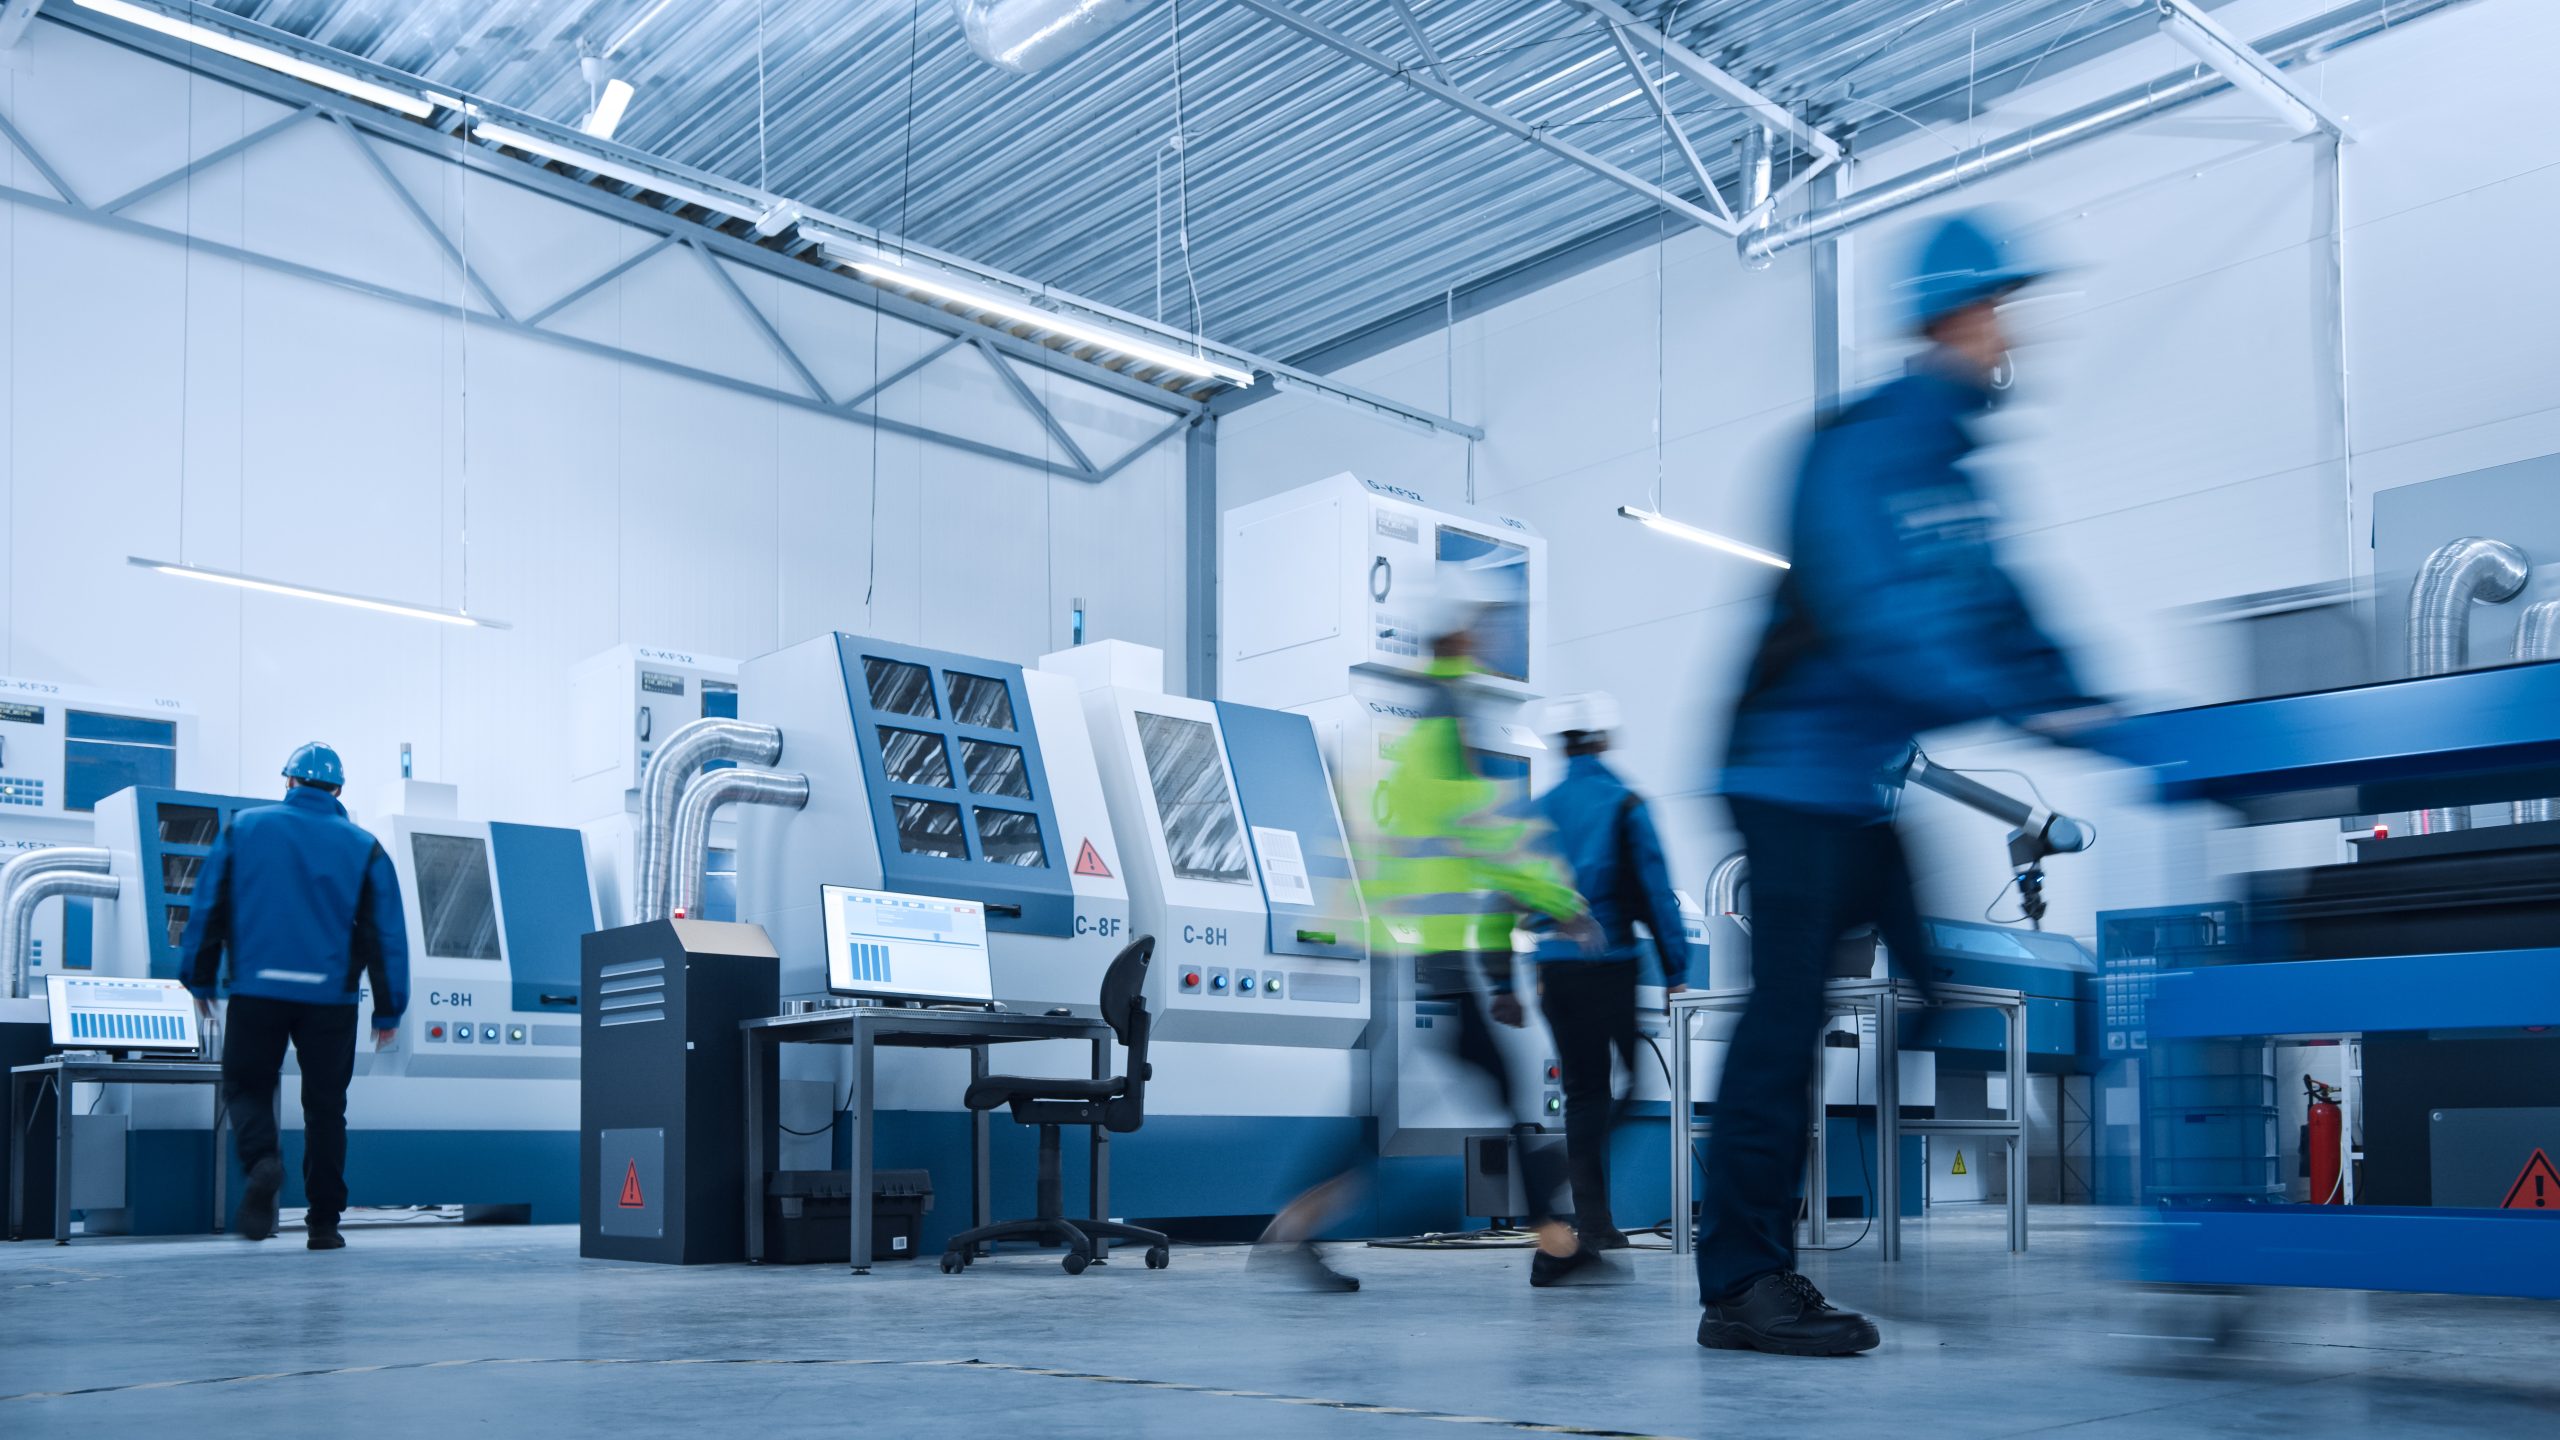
(1124, 1009)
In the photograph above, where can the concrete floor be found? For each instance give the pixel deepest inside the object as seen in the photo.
(433, 1332)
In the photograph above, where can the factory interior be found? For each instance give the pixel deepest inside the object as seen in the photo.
(1128, 718)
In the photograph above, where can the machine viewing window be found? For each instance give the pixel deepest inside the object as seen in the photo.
(911, 757)
(198, 825)
(996, 769)
(898, 688)
(1503, 638)
(178, 874)
(102, 754)
(980, 702)
(457, 906)
(930, 827)
(1201, 830)
(174, 920)
(1011, 837)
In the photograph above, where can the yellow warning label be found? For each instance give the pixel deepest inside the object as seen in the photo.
(1959, 1169)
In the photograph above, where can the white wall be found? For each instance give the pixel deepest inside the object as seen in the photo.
(163, 401)
(2178, 434)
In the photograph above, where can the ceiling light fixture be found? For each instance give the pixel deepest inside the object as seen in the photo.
(941, 286)
(1653, 520)
(633, 30)
(609, 109)
(742, 206)
(312, 592)
(224, 42)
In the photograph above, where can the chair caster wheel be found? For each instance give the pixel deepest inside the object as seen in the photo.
(1158, 1257)
(953, 1262)
(1075, 1262)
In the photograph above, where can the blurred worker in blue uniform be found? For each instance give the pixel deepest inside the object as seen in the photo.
(1589, 997)
(305, 903)
(1895, 619)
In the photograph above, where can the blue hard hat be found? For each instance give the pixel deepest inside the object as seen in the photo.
(316, 763)
(1964, 260)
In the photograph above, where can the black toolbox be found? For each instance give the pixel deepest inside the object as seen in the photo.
(808, 1215)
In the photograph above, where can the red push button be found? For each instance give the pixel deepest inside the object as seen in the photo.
(435, 1032)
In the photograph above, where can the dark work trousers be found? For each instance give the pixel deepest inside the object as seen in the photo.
(1590, 1007)
(254, 1034)
(1814, 878)
(1469, 983)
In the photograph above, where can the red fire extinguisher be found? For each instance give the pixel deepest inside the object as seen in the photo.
(2320, 1144)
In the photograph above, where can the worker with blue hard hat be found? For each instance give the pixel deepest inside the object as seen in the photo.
(305, 903)
(1894, 619)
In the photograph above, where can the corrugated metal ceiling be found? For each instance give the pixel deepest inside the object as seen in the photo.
(1322, 196)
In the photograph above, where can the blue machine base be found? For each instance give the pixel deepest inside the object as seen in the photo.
(2443, 1252)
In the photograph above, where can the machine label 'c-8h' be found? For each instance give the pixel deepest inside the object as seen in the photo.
(1204, 934)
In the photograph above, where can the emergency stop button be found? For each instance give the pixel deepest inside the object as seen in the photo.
(1191, 981)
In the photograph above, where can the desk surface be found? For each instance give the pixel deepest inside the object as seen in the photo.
(1906, 995)
(142, 1072)
(899, 1025)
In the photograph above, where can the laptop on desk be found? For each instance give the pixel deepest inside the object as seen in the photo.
(108, 1012)
(883, 946)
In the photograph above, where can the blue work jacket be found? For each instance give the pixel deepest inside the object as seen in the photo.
(1605, 834)
(1895, 618)
(305, 902)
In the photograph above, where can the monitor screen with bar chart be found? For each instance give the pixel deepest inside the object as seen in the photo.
(905, 947)
(102, 1012)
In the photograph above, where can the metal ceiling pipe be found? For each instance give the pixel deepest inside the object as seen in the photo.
(703, 798)
(1755, 145)
(662, 787)
(1029, 36)
(2313, 40)
(2537, 638)
(20, 922)
(20, 871)
(2454, 577)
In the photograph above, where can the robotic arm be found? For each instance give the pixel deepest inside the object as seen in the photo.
(2034, 833)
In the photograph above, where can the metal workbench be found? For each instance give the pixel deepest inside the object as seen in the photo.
(1885, 1000)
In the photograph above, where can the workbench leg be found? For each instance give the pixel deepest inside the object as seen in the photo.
(863, 1117)
(1888, 1201)
(221, 1171)
(2018, 1111)
(759, 1132)
(61, 1161)
(1684, 1146)
(19, 1114)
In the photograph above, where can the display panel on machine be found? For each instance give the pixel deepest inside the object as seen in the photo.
(458, 906)
(905, 947)
(1502, 637)
(102, 754)
(1203, 837)
(109, 1013)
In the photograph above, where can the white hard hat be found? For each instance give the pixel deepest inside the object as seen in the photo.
(1593, 712)
(1459, 594)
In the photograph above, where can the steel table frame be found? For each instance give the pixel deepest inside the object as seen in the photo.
(63, 1074)
(867, 1027)
(1860, 997)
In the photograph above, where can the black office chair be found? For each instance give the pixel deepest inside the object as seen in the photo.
(1117, 1104)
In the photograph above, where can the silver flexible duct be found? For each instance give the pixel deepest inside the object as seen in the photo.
(1027, 36)
(2537, 638)
(710, 790)
(2457, 575)
(2306, 43)
(1724, 889)
(22, 870)
(662, 785)
(64, 884)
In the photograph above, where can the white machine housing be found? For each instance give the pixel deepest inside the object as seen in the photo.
(1336, 577)
(1217, 974)
(622, 703)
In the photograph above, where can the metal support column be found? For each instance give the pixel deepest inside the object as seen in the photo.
(1200, 559)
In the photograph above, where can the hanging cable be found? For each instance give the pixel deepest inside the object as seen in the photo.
(906, 194)
(1182, 184)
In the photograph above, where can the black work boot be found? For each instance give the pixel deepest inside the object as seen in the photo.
(326, 1237)
(258, 1202)
(1585, 1266)
(1784, 1315)
(1298, 1265)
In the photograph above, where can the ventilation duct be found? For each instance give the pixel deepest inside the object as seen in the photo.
(2537, 638)
(1029, 36)
(20, 922)
(24, 870)
(703, 798)
(662, 786)
(2450, 581)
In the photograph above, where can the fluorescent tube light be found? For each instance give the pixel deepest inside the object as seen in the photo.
(311, 592)
(609, 107)
(743, 207)
(939, 285)
(224, 42)
(633, 31)
(1713, 541)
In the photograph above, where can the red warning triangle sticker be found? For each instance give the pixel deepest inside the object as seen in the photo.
(1089, 862)
(631, 1186)
(2538, 1188)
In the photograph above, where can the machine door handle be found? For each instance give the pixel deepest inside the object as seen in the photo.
(1000, 907)
(558, 999)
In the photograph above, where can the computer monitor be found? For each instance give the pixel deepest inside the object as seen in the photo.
(104, 1012)
(905, 947)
